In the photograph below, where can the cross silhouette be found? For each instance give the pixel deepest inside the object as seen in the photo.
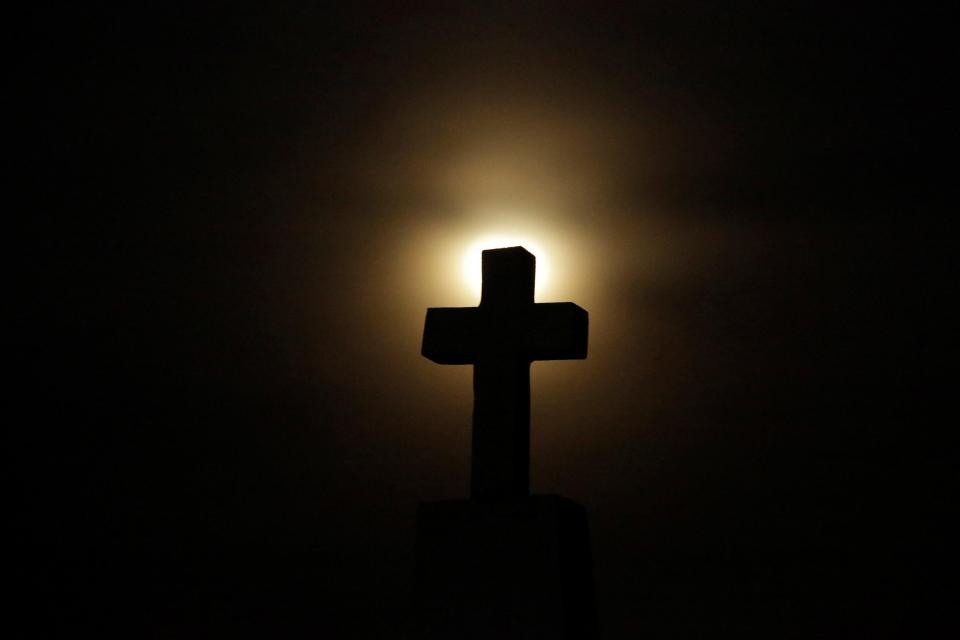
(500, 338)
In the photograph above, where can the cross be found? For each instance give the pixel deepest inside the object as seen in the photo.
(501, 338)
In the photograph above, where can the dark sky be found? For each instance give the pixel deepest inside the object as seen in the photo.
(237, 219)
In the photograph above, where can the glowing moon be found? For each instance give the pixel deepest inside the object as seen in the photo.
(471, 261)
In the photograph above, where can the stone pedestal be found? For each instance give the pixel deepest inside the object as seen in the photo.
(505, 569)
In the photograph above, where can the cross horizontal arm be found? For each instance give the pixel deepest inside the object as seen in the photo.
(556, 331)
(545, 331)
(451, 335)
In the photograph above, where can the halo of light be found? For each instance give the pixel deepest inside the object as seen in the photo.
(471, 264)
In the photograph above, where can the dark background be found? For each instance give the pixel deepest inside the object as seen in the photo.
(224, 424)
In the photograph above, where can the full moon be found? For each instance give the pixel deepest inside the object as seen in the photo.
(471, 261)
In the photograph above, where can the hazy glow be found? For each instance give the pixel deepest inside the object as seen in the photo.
(471, 260)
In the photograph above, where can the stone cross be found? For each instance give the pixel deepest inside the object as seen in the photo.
(500, 338)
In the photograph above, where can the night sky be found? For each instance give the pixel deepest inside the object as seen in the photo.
(238, 216)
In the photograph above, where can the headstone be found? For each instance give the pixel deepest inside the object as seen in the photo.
(504, 564)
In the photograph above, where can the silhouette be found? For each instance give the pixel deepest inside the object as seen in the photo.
(505, 564)
(500, 338)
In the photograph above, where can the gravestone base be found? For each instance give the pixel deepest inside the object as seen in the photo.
(506, 569)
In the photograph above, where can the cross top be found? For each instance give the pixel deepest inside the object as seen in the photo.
(500, 338)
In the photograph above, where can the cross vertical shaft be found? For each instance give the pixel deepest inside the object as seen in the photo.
(500, 457)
